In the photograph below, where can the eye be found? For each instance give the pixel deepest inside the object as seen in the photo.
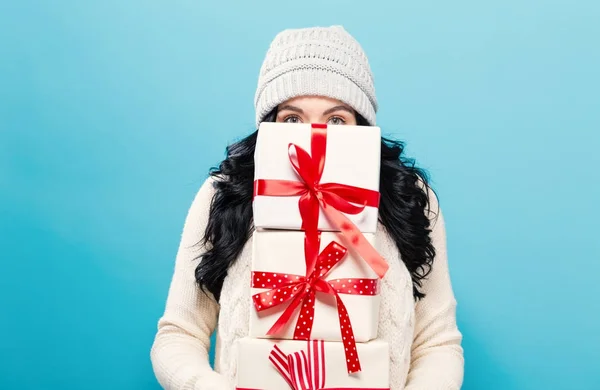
(292, 119)
(336, 120)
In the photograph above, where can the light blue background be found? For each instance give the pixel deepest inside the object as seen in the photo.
(111, 112)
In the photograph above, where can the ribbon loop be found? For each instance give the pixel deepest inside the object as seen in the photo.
(305, 370)
(303, 165)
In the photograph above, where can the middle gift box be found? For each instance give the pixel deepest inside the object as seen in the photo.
(338, 300)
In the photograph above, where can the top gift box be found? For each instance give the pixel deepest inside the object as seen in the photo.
(304, 172)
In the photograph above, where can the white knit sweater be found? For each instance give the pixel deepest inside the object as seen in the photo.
(425, 343)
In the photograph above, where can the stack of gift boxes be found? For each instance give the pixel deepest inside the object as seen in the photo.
(315, 271)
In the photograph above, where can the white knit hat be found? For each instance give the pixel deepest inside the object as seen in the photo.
(317, 61)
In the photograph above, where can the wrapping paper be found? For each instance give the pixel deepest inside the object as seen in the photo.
(282, 252)
(352, 158)
(260, 368)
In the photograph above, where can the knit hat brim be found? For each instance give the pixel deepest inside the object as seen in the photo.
(313, 82)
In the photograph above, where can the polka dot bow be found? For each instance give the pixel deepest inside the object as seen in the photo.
(300, 291)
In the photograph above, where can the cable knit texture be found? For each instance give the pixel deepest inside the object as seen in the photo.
(425, 344)
(324, 61)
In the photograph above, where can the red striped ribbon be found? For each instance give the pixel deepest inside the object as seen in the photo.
(305, 370)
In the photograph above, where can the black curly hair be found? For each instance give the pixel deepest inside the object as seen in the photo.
(403, 210)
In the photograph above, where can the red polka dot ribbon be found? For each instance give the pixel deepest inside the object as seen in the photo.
(300, 291)
(333, 198)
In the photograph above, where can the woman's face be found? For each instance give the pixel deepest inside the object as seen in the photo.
(315, 109)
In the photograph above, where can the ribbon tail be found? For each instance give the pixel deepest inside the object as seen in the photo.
(352, 361)
(306, 317)
(355, 239)
(341, 204)
(286, 315)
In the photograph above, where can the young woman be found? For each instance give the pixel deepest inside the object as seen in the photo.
(312, 75)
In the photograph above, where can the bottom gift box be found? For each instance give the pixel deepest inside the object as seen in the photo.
(267, 364)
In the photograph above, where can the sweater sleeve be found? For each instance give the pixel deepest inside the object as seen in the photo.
(179, 353)
(437, 360)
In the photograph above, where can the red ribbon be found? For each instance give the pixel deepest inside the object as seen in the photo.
(302, 290)
(335, 199)
(305, 370)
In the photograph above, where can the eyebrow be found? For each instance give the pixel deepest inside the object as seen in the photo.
(291, 108)
(337, 108)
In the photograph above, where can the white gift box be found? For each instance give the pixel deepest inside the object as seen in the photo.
(352, 158)
(282, 252)
(256, 371)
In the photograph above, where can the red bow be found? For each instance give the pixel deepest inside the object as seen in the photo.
(335, 200)
(302, 290)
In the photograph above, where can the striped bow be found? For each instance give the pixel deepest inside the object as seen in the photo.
(301, 370)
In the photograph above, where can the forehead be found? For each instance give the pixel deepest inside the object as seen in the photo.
(313, 103)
